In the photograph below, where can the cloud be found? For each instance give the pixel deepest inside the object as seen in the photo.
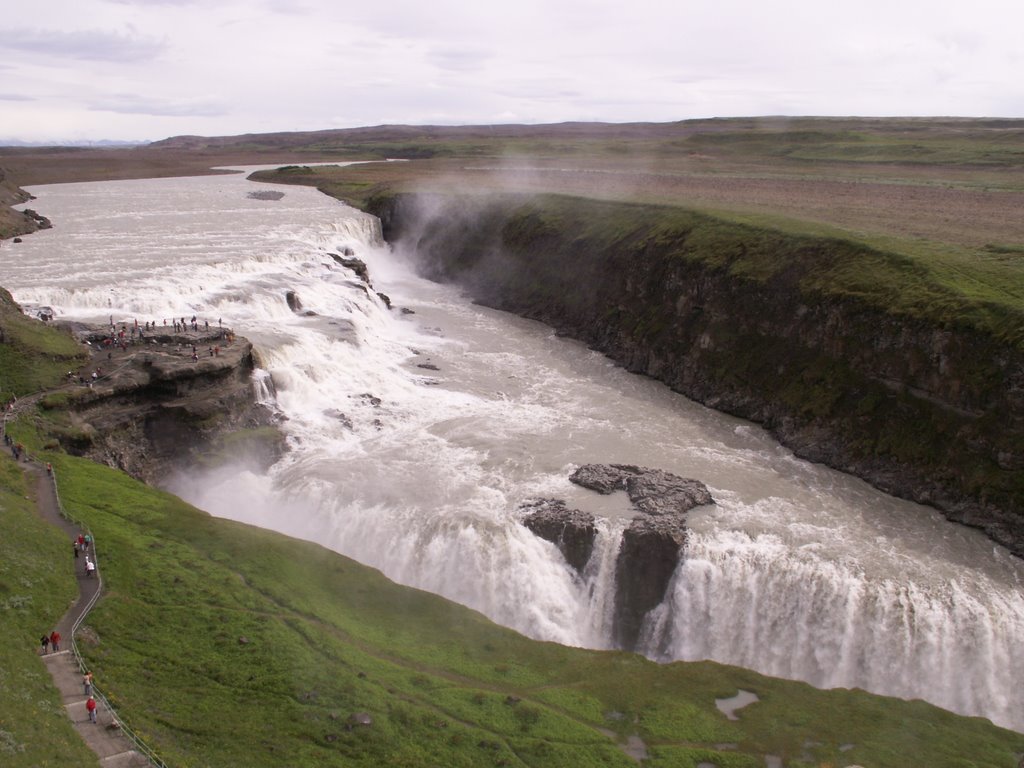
(130, 104)
(148, 3)
(16, 97)
(459, 59)
(86, 44)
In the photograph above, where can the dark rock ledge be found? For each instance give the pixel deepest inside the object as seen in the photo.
(165, 402)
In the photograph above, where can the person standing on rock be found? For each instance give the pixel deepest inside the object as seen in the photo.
(90, 707)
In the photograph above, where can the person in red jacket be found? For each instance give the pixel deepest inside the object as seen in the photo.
(55, 641)
(90, 705)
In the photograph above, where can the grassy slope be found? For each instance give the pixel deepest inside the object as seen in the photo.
(228, 645)
(32, 356)
(36, 585)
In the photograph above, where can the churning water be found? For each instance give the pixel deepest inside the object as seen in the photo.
(797, 571)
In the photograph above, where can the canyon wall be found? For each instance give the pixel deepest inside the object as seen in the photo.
(789, 331)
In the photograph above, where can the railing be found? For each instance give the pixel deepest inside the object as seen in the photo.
(140, 745)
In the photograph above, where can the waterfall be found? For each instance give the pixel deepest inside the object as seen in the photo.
(754, 602)
(415, 434)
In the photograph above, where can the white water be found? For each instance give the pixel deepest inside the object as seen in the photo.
(797, 571)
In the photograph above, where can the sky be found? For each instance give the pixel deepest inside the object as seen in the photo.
(143, 70)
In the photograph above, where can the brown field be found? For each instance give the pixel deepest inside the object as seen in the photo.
(927, 183)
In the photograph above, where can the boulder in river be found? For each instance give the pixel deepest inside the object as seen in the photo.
(652, 491)
(571, 530)
(648, 556)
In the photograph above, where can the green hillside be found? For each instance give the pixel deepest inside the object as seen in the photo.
(227, 645)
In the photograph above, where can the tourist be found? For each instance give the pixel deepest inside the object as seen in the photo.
(55, 641)
(90, 568)
(88, 541)
(90, 707)
(45, 642)
(87, 683)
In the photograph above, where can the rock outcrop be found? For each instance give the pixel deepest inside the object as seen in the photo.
(651, 549)
(356, 265)
(651, 545)
(571, 530)
(14, 222)
(652, 491)
(169, 402)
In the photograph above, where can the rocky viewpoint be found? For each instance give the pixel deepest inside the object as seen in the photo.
(169, 400)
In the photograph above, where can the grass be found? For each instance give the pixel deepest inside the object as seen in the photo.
(36, 586)
(228, 645)
(33, 356)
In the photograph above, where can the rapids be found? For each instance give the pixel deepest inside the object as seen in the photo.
(797, 571)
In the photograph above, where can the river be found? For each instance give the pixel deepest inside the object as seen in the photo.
(416, 433)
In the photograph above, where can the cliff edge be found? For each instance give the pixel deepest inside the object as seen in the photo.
(850, 356)
(164, 401)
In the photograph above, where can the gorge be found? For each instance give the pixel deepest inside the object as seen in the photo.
(417, 433)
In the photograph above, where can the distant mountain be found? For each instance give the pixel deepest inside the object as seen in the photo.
(104, 143)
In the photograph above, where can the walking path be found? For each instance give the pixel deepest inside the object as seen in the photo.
(105, 737)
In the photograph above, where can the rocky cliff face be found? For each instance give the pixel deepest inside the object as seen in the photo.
(13, 223)
(926, 411)
(170, 402)
(651, 545)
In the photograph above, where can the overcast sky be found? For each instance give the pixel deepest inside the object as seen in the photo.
(149, 69)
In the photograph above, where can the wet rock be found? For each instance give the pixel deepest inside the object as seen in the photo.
(385, 298)
(265, 194)
(571, 530)
(428, 366)
(356, 265)
(652, 491)
(604, 478)
(657, 492)
(650, 552)
(294, 302)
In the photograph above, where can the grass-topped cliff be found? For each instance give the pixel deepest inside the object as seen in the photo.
(227, 645)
